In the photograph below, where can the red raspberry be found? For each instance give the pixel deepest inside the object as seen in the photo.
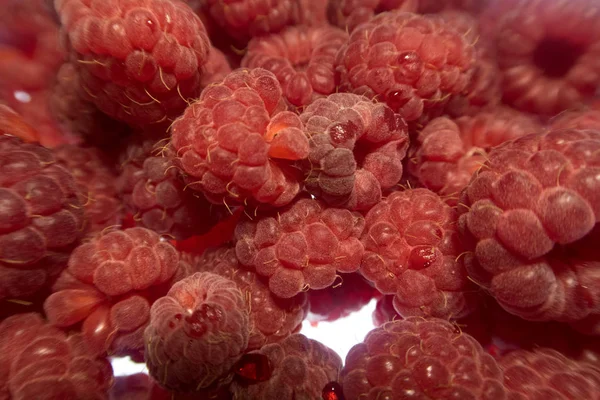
(302, 246)
(356, 150)
(384, 311)
(196, 333)
(434, 6)
(530, 212)
(312, 13)
(109, 286)
(301, 57)
(271, 318)
(235, 143)
(139, 61)
(412, 250)
(299, 369)
(414, 63)
(41, 217)
(216, 68)
(12, 123)
(38, 361)
(547, 374)
(588, 119)
(547, 52)
(446, 153)
(348, 14)
(424, 359)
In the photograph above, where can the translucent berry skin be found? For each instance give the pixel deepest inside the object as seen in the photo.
(138, 61)
(531, 213)
(41, 218)
(547, 374)
(196, 332)
(301, 367)
(272, 318)
(38, 361)
(424, 359)
(302, 246)
(348, 14)
(301, 57)
(412, 250)
(12, 123)
(235, 144)
(414, 63)
(109, 286)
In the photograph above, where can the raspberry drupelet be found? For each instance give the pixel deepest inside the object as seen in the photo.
(197, 332)
(236, 144)
(216, 68)
(531, 213)
(41, 219)
(412, 250)
(348, 14)
(424, 359)
(356, 150)
(412, 62)
(301, 57)
(302, 246)
(138, 61)
(38, 361)
(585, 119)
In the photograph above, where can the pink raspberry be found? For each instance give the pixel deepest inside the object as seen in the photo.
(298, 368)
(38, 361)
(301, 57)
(412, 250)
(587, 119)
(216, 68)
(302, 246)
(109, 286)
(235, 143)
(272, 318)
(424, 359)
(356, 150)
(41, 218)
(196, 333)
(348, 14)
(138, 61)
(532, 212)
(447, 152)
(414, 63)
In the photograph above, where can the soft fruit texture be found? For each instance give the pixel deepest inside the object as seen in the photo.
(413, 63)
(41, 217)
(12, 123)
(301, 247)
(235, 143)
(547, 374)
(587, 119)
(424, 359)
(109, 286)
(447, 152)
(435, 6)
(38, 361)
(356, 150)
(301, 57)
(548, 51)
(532, 213)
(138, 61)
(299, 369)
(384, 311)
(271, 318)
(196, 333)
(216, 68)
(348, 14)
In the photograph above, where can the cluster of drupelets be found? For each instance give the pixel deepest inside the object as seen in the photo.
(186, 182)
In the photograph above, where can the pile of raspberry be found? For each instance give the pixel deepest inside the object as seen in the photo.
(196, 185)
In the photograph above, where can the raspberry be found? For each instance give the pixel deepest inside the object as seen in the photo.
(412, 250)
(356, 150)
(301, 57)
(38, 361)
(41, 217)
(588, 119)
(216, 68)
(547, 374)
(109, 286)
(196, 332)
(384, 311)
(152, 190)
(411, 62)
(435, 6)
(530, 212)
(547, 52)
(424, 359)
(271, 318)
(348, 14)
(138, 61)
(312, 13)
(299, 369)
(235, 143)
(12, 123)
(447, 152)
(302, 246)
(96, 181)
